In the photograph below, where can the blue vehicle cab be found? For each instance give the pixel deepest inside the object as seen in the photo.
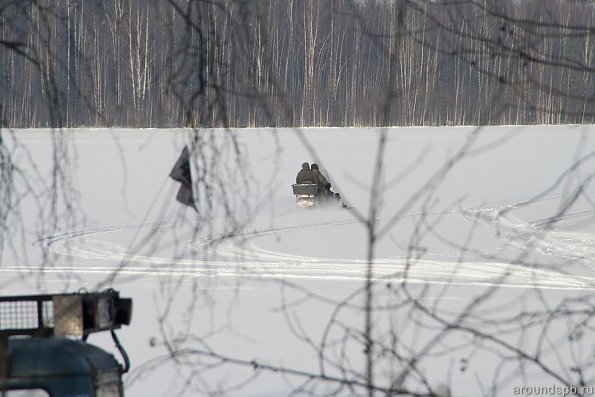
(44, 349)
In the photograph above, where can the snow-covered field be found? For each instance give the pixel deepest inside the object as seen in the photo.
(508, 229)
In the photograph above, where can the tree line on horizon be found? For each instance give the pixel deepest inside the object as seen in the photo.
(289, 63)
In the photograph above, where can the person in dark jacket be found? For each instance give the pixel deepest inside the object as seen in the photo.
(306, 175)
(323, 184)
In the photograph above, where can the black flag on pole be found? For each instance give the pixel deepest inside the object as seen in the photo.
(181, 173)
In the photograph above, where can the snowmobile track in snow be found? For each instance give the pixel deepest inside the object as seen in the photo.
(229, 258)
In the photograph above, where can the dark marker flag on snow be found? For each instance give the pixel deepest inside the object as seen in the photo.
(181, 173)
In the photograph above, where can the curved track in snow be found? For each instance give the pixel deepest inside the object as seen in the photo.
(233, 259)
(543, 235)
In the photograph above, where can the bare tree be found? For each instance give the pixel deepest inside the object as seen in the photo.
(400, 334)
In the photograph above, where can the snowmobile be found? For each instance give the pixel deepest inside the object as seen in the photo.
(305, 194)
